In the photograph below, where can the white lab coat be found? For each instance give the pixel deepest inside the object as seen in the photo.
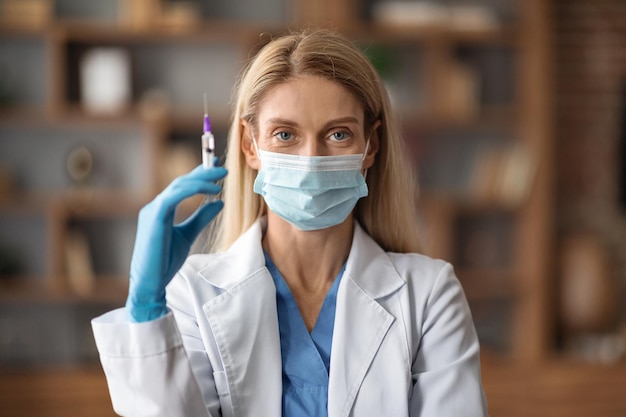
(404, 343)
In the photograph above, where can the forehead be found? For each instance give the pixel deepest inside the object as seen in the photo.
(310, 99)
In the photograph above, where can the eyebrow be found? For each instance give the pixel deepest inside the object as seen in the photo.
(280, 121)
(287, 122)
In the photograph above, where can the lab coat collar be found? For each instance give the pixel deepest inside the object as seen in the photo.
(232, 265)
(367, 263)
(369, 266)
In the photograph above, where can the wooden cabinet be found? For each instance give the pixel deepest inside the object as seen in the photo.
(472, 95)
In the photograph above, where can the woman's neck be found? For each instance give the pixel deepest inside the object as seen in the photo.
(307, 259)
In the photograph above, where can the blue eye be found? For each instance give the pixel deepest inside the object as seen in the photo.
(340, 136)
(283, 136)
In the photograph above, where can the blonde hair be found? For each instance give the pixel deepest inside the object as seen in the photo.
(388, 213)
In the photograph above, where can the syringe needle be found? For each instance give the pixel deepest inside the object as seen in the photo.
(208, 142)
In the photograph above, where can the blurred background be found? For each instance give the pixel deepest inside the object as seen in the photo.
(514, 115)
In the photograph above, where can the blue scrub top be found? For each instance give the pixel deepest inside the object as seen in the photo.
(305, 356)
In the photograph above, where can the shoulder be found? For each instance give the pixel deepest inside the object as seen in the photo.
(416, 263)
(416, 273)
(421, 271)
(435, 304)
(429, 283)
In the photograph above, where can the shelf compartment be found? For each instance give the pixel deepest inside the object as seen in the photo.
(97, 255)
(47, 334)
(22, 81)
(403, 68)
(40, 165)
(23, 243)
(485, 241)
(494, 68)
(176, 74)
(451, 161)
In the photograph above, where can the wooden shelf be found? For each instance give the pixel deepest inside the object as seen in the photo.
(55, 391)
(19, 115)
(503, 35)
(107, 289)
(94, 205)
(179, 116)
(20, 288)
(42, 116)
(205, 31)
(79, 202)
(190, 118)
(17, 31)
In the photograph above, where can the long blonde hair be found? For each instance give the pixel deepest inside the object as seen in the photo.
(388, 213)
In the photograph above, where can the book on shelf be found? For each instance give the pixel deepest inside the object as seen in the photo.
(79, 268)
(502, 175)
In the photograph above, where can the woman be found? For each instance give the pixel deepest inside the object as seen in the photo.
(316, 301)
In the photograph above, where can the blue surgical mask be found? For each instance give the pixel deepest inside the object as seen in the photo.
(311, 192)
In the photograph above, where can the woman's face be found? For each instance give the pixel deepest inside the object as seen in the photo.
(311, 116)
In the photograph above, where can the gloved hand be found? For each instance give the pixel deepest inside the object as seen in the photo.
(162, 247)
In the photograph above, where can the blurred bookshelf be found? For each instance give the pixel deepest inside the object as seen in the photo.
(469, 81)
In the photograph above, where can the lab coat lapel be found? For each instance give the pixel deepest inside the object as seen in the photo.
(244, 322)
(361, 323)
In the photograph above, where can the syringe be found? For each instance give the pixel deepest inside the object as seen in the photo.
(208, 141)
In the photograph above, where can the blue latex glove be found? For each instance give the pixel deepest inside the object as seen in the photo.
(161, 247)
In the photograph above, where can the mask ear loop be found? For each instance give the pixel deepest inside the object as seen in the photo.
(256, 147)
(367, 145)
